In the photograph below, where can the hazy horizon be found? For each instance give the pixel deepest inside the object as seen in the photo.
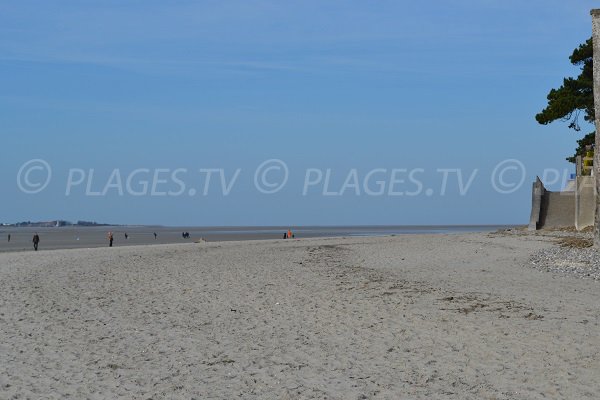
(71, 237)
(100, 225)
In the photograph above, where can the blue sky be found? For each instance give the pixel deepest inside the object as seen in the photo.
(319, 85)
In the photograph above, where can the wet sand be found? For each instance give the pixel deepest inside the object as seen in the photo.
(408, 317)
(73, 237)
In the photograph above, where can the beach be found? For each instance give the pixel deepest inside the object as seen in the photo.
(461, 316)
(78, 237)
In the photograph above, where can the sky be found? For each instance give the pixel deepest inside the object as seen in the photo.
(230, 113)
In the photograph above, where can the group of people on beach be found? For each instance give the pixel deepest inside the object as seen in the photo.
(35, 240)
(110, 236)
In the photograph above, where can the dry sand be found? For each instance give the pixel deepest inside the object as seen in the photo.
(410, 317)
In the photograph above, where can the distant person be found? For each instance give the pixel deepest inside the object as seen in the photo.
(110, 239)
(126, 236)
(290, 235)
(155, 235)
(9, 238)
(285, 235)
(36, 241)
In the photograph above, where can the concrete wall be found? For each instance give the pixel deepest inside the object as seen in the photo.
(585, 201)
(551, 209)
(563, 209)
(537, 193)
(558, 209)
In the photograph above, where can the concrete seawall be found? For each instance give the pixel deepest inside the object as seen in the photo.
(563, 209)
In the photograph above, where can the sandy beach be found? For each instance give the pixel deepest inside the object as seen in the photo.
(407, 317)
(77, 237)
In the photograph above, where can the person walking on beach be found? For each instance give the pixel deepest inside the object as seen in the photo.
(126, 236)
(9, 238)
(110, 239)
(36, 241)
(155, 235)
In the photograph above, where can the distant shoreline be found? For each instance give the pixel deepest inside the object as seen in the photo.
(72, 237)
(260, 227)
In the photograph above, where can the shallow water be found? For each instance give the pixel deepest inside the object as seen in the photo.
(84, 237)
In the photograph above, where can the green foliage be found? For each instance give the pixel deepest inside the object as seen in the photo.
(575, 96)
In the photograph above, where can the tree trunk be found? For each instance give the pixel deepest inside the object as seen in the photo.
(596, 39)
